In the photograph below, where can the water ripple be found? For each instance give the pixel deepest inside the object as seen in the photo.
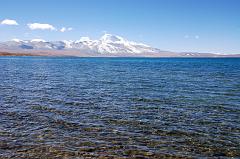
(119, 108)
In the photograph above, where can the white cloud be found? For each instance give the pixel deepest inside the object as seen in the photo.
(63, 29)
(9, 22)
(38, 40)
(85, 39)
(16, 40)
(35, 26)
(191, 37)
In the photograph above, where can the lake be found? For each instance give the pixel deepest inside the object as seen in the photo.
(64, 107)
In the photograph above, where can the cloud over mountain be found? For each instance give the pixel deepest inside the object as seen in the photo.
(63, 29)
(40, 26)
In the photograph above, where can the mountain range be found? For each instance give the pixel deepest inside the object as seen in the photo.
(107, 45)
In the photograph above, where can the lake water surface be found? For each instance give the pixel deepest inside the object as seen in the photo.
(119, 107)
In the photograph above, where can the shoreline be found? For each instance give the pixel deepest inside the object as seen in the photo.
(15, 54)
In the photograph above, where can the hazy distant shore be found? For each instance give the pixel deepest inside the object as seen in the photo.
(16, 54)
(80, 54)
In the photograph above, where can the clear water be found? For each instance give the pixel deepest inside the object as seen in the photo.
(119, 107)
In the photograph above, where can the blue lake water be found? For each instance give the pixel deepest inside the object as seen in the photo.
(119, 107)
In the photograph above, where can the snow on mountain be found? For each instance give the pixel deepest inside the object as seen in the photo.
(16, 40)
(107, 44)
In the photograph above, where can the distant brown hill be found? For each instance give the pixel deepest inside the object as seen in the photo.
(81, 54)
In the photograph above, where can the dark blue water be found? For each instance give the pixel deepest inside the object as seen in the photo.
(119, 107)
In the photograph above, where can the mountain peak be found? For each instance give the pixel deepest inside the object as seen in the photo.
(108, 38)
(107, 44)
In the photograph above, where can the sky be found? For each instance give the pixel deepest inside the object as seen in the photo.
(175, 25)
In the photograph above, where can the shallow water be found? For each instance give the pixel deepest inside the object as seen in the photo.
(119, 107)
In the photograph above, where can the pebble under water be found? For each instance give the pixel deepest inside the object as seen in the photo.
(63, 107)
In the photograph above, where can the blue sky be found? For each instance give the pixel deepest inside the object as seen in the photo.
(175, 25)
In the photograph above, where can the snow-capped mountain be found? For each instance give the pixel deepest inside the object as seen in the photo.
(107, 44)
